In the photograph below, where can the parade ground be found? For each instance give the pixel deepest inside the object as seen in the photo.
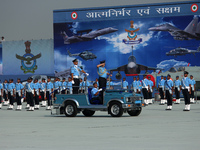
(154, 129)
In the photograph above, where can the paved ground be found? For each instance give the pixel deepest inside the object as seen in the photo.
(154, 129)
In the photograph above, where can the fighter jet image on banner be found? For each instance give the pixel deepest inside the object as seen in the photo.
(132, 68)
(86, 55)
(182, 51)
(192, 31)
(88, 36)
(64, 73)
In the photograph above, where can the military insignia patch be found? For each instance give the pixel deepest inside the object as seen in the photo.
(132, 35)
(28, 60)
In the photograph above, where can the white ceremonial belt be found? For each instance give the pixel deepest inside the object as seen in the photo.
(161, 86)
(42, 90)
(76, 77)
(29, 90)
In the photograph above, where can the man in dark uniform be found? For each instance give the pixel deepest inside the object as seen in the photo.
(145, 88)
(30, 93)
(75, 74)
(177, 84)
(169, 91)
(161, 90)
(95, 94)
(186, 90)
(101, 70)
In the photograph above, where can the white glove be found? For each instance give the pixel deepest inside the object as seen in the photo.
(87, 74)
(100, 90)
(72, 81)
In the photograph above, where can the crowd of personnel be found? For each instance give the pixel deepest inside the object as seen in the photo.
(46, 90)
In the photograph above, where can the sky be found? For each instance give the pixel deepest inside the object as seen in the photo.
(150, 52)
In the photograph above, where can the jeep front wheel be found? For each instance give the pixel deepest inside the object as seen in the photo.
(70, 109)
(115, 109)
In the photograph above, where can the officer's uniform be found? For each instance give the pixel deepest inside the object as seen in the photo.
(192, 82)
(168, 92)
(81, 87)
(5, 93)
(95, 97)
(177, 84)
(69, 87)
(185, 84)
(11, 87)
(1, 94)
(60, 87)
(125, 85)
(63, 87)
(161, 91)
(42, 93)
(109, 85)
(29, 96)
(85, 86)
(56, 88)
(150, 91)
(102, 77)
(139, 86)
(36, 88)
(145, 90)
(19, 88)
(135, 85)
(49, 89)
(76, 75)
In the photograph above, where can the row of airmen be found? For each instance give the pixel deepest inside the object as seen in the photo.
(166, 87)
(33, 89)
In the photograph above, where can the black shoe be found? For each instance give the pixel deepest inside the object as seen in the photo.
(186, 110)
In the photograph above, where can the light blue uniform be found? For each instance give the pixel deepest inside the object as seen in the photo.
(111, 84)
(11, 86)
(81, 85)
(185, 83)
(168, 85)
(1, 87)
(49, 86)
(19, 87)
(93, 92)
(56, 85)
(42, 86)
(102, 72)
(192, 82)
(37, 87)
(150, 83)
(87, 84)
(139, 85)
(69, 86)
(124, 84)
(177, 84)
(64, 85)
(5, 87)
(135, 85)
(161, 84)
(76, 70)
(145, 83)
(30, 87)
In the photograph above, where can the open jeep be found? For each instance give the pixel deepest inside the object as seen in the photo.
(115, 102)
